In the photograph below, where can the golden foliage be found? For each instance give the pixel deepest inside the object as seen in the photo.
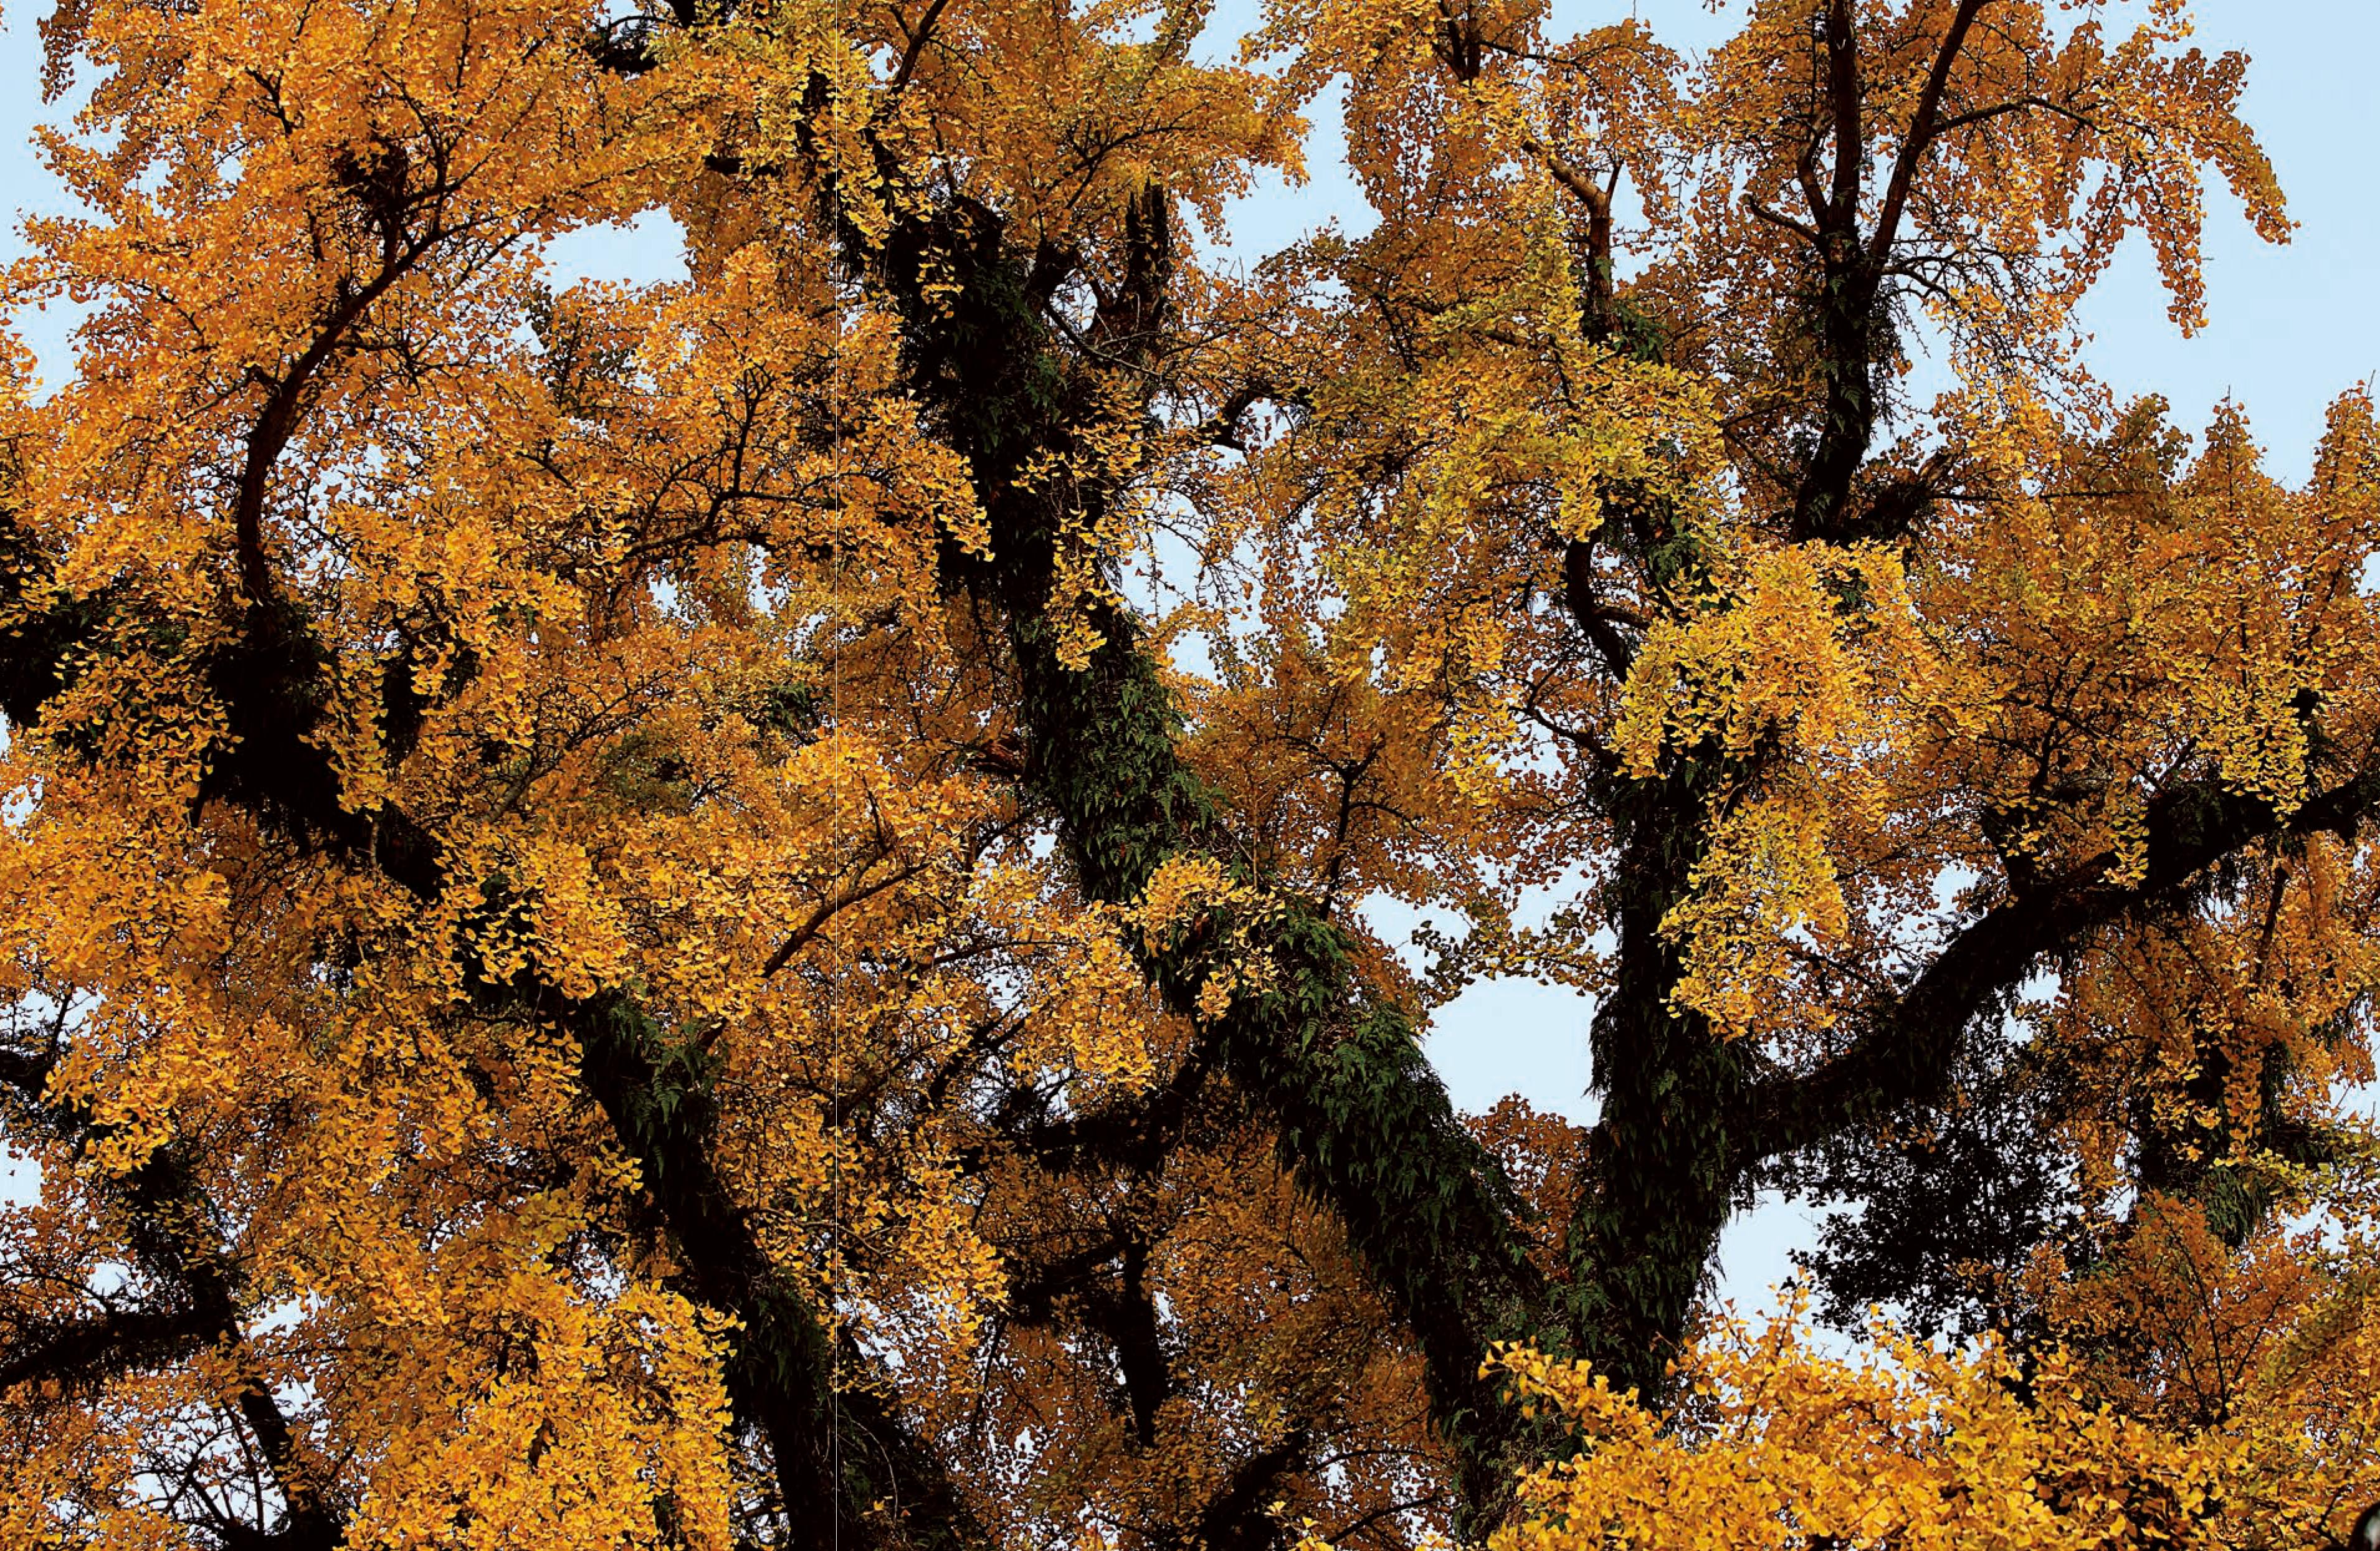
(660, 654)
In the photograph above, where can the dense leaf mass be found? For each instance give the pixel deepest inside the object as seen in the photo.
(741, 911)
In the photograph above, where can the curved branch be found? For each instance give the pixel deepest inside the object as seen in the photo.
(286, 401)
(1912, 1041)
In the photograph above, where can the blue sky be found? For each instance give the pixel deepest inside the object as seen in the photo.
(2291, 328)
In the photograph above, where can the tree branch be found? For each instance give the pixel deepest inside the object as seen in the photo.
(1912, 1041)
(1922, 128)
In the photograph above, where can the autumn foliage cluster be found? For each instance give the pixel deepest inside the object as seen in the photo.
(742, 911)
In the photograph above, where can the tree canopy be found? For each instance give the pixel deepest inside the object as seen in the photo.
(733, 911)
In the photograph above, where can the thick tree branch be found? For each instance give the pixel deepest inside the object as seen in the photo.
(1238, 1516)
(1912, 1043)
(917, 38)
(194, 1307)
(1923, 130)
(1596, 308)
(284, 401)
(653, 1090)
(1843, 94)
(1597, 620)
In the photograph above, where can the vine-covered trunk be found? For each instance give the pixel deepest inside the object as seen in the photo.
(1668, 1150)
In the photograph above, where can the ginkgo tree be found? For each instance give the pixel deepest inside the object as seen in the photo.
(630, 926)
